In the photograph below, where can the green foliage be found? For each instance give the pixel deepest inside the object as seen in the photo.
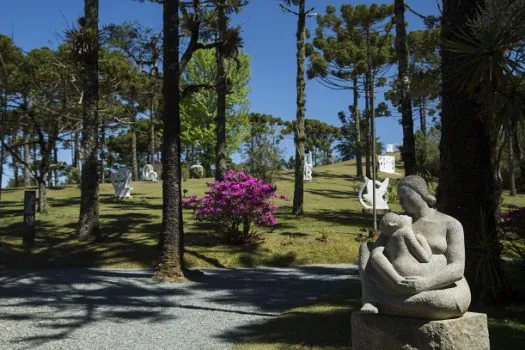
(261, 148)
(199, 109)
(320, 137)
(427, 153)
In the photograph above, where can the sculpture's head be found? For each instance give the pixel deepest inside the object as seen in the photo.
(413, 194)
(391, 222)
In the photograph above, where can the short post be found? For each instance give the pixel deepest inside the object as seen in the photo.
(29, 218)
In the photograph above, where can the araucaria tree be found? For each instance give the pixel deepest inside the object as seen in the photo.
(172, 238)
(301, 13)
(86, 44)
(403, 81)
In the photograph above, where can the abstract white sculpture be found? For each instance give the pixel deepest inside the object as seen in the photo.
(197, 171)
(121, 181)
(308, 166)
(148, 174)
(387, 164)
(390, 148)
(365, 198)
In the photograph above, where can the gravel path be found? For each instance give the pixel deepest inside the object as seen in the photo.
(123, 309)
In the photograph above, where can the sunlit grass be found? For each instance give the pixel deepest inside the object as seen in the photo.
(328, 233)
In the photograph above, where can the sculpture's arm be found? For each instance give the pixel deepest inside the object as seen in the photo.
(384, 267)
(455, 255)
(418, 246)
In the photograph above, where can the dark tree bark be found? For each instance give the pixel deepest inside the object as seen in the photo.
(76, 150)
(512, 175)
(357, 124)
(27, 175)
(409, 146)
(55, 170)
(88, 223)
(298, 195)
(469, 188)
(172, 234)
(134, 158)
(423, 116)
(152, 133)
(368, 171)
(220, 88)
(102, 151)
(16, 177)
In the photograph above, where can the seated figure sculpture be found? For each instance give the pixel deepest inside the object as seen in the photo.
(399, 278)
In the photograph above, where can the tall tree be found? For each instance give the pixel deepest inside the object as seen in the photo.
(482, 95)
(87, 46)
(301, 13)
(409, 148)
(172, 235)
(220, 88)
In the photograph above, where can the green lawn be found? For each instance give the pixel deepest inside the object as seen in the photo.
(328, 233)
(325, 324)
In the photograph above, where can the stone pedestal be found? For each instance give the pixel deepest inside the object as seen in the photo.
(384, 332)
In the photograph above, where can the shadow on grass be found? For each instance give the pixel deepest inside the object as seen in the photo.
(333, 193)
(322, 324)
(342, 217)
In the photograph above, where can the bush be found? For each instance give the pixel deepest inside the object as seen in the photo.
(235, 204)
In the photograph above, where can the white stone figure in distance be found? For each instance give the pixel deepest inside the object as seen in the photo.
(365, 198)
(387, 164)
(390, 148)
(197, 171)
(148, 174)
(308, 166)
(121, 181)
(395, 281)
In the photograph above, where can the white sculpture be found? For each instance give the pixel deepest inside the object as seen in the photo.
(197, 171)
(381, 194)
(390, 148)
(308, 166)
(121, 181)
(148, 174)
(387, 164)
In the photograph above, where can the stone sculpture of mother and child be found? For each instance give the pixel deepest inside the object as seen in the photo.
(415, 268)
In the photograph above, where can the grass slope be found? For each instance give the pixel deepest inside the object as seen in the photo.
(328, 233)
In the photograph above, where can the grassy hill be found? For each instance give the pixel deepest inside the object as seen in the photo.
(328, 233)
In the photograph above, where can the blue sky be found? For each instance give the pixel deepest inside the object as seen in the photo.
(269, 37)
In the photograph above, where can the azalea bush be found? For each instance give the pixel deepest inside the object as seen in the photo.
(236, 204)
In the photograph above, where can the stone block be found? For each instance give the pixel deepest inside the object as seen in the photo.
(384, 332)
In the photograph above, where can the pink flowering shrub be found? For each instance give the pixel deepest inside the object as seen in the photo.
(235, 204)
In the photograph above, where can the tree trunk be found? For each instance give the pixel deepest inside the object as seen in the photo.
(409, 147)
(55, 170)
(152, 134)
(76, 149)
(88, 223)
(134, 160)
(368, 172)
(102, 152)
(423, 116)
(27, 174)
(172, 235)
(469, 189)
(298, 196)
(220, 86)
(512, 175)
(357, 125)
(15, 164)
(42, 196)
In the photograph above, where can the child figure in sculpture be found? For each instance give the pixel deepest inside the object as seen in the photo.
(408, 252)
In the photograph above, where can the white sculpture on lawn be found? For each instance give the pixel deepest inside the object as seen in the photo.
(387, 164)
(366, 198)
(308, 166)
(121, 181)
(197, 171)
(148, 174)
(390, 148)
